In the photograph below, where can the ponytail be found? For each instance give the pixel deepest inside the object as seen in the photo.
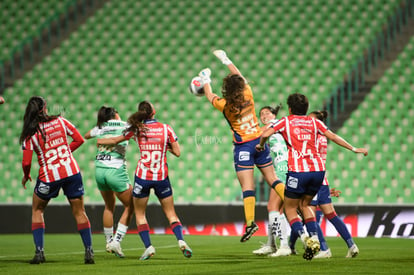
(321, 115)
(136, 120)
(105, 114)
(34, 115)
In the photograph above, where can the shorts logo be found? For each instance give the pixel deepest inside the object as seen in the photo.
(43, 189)
(292, 182)
(137, 188)
(244, 156)
(166, 190)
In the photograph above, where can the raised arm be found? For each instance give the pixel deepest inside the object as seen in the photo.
(220, 54)
(205, 78)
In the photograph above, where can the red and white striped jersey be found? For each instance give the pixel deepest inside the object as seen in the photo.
(153, 147)
(301, 136)
(323, 146)
(323, 151)
(54, 154)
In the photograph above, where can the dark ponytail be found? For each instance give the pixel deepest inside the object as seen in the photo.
(145, 111)
(105, 114)
(321, 115)
(33, 116)
(274, 110)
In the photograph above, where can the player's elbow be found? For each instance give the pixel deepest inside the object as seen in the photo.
(268, 132)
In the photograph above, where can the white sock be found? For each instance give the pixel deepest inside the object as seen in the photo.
(271, 235)
(120, 232)
(303, 237)
(108, 231)
(284, 242)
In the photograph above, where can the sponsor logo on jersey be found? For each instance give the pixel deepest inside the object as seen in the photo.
(292, 182)
(244, 156)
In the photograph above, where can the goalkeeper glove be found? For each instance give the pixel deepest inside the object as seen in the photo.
(220, 54)
(205, 76)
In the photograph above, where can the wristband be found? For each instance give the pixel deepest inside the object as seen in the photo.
(353, 149)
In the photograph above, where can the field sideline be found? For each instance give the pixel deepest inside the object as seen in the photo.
(211, 255)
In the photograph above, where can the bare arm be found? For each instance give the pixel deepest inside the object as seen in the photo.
(263, 138)
(110, 140)
(88, 135)
(220, 54)
(342, 142)
(175, 149)
(209, 93)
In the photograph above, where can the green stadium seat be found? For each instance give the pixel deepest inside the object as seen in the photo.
(133, 50)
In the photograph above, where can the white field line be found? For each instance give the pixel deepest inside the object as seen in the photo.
(82, 252)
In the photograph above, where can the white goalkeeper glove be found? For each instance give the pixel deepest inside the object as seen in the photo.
(205, 76)
(220, 54)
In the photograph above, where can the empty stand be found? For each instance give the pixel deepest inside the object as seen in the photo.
(131, 51)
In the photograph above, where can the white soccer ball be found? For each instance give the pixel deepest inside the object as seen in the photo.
(197, 86)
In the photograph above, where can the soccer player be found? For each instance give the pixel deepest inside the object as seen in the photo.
(306, 168)
(48, 136)
(112, 177)
(237, 106)
(277, 221)
(324, 201)
(154, 140)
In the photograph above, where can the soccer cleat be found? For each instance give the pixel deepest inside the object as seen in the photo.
(107, 248)
(265, 250)
(292, 249)
(353, 251)
(38, 258)
(115, 247)
(323, 254)
(89, 256)
(187, 252)
(283, 251)
(312, 247)
(249, 231)
(148, 253)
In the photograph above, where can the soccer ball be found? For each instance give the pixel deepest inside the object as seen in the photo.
(196, 86)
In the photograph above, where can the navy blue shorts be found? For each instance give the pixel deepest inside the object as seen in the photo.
(303, 183)
(162, 188)
(246, 155)
(323, 196)
(72, 188)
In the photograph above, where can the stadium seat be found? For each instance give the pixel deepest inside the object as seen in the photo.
(129, 51)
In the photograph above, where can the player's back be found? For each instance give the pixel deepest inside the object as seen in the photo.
(54, 155)
(245, 125)
(300, 133)
(153, 145)
(110, 156)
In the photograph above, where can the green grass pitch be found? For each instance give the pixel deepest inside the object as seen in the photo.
(211, 255)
